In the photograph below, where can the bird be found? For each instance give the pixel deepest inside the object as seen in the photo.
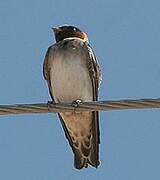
(73, 74)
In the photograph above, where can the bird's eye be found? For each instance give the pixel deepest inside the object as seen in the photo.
(74, 29)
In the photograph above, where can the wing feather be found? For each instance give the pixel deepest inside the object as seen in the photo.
(95, 75)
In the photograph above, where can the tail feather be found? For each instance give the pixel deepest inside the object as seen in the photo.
(79, 161)
(88, 151)
(85, 157)
(85, 149)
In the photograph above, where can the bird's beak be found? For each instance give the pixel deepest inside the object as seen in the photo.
(56, 29)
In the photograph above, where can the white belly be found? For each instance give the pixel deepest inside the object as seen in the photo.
(70, 79)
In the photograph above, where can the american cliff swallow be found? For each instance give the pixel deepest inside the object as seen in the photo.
(73, 74)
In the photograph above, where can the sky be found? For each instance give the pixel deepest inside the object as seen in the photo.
(125, 36)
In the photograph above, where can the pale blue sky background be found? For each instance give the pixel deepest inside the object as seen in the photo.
(125, 35)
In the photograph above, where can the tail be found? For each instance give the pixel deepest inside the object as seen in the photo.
(85, 148)
(87, 153)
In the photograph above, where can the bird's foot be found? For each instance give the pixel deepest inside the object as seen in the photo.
(76, 103)
(49, 104)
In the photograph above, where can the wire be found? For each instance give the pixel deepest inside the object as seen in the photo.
(85, 106)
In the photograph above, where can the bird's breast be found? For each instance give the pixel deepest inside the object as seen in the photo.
(69, 76)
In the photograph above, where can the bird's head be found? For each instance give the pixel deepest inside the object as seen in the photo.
(66, 31)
